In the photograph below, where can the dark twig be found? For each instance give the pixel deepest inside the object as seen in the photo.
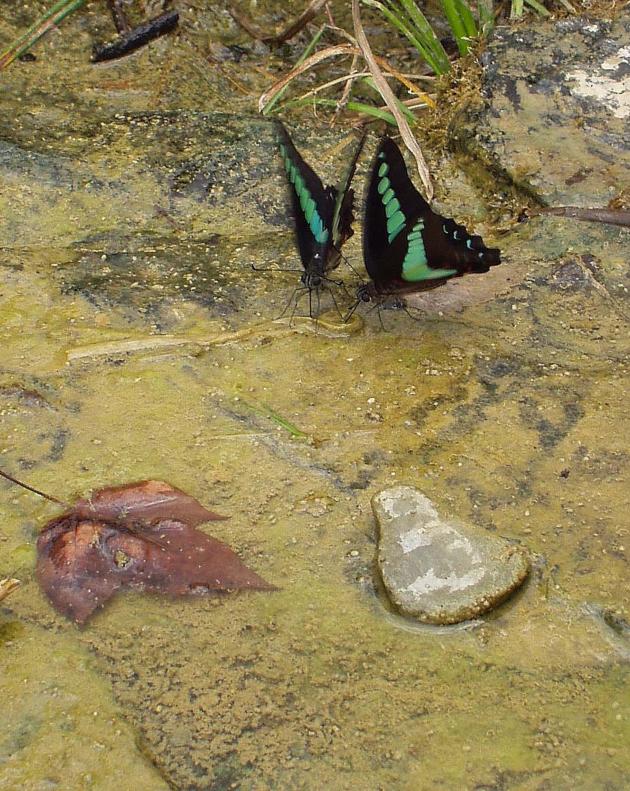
(136, 37)
(120, 18)
(310, 12)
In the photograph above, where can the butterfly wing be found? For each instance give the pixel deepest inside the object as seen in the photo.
(343, 214)
(313, 206)
(406, 245)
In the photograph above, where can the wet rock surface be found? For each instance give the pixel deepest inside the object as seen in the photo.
(507, 403)
(557, 119)
(438, 571)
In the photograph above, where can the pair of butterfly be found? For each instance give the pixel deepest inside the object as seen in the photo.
(407, 247)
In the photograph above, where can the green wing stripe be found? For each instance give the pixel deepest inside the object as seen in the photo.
(309, 209)
(387, 196)
(392, 207)
(395, 224)
(415, 266)
(307, 204)
(395, 218)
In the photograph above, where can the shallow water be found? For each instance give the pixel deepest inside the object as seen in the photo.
(136, 346)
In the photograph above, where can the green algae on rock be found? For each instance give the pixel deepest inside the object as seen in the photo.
(437, 571)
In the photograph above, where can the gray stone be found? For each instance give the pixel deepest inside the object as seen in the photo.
(558, 109)
(438, 571)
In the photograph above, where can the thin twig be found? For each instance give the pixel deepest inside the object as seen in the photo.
(309, 48)
(347, 78)
(300, 68)
(609, 216)
(120, 18)
(347, 88)
(274, 39)
(390, 100)
(32, 489)
(331, 52)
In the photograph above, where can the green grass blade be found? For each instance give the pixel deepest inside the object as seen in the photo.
(421, 36)
(538, 7)
(462, 23)
(293, 430)
(466, 15)
(399, 23)
(486, 17)
(268, 412)
(356, 107)
(55, 14)
(59, 5)
(516, 12)
(423, 31)
(401, 106)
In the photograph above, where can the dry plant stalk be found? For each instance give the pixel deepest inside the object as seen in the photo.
(317, 57)
(330, 52)
(390, 100)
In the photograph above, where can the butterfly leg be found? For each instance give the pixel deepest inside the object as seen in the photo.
(414, 318)
(294, 296)
(378, 304)
(336, 304)
(298, 293)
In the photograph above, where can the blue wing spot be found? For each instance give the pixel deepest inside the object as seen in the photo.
(383, 170)
(383, 185)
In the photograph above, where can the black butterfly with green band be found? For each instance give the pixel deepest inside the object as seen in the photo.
(323, 215)
(407, 247)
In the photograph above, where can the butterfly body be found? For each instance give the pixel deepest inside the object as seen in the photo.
(323, 214)
(407, 247)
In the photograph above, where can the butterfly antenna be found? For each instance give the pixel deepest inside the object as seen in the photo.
(349, 265)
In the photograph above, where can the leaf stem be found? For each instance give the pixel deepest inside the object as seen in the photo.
(33, 489)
